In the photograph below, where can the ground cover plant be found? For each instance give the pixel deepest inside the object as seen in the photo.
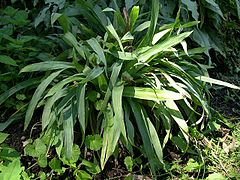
(108, 85)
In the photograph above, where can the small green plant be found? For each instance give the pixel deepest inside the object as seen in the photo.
(10, 165)
(38, 150)
(80, 167)
(93, 142)
(128, 161)
(115, 76)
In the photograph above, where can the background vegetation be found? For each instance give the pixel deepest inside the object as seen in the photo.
(128, 89)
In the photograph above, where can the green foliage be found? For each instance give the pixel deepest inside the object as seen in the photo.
(19, 45)
(10, 165)
(110, 74)
(55, 165)
(192, 166)
(128, 163)
(11, 171)
(217, 19)
(216, 176)
(3, 136)
(93, 142)
(7, 60)
(98, 64)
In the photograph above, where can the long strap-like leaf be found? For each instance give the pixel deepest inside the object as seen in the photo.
(153, 23)
(36, 97)
(111, 135)
(68, 131)
(150, 140)
(31, 82)
(81, 108)
(118, 109)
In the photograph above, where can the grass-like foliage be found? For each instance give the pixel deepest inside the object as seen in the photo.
(131, 81)
(120, 85)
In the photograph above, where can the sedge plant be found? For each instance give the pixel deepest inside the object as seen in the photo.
(129, 80)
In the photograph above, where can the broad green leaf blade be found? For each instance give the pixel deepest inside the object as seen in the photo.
(215, 81)
(142, 26)
(216, 176)
(133, 16)
(118, 109)
(179, 142)
(106, 139)
(166, 118)
(201, 38)
(144, 131)
(155, 141)
(118, 19)
(151, 94)
(55, 165)
(49, 105)
(111, 29)
(7, 60)
(100, 17)
(54, 18)
(102, 82)
(178, 118)
(159, 35)
(129, 125)
(94, 73)
(127, 56)
(4, 96)
(177, 86)
(36, 97)
(184, 45)
(65, 101)
(169, 42)
(91, 167)
(61, 84)
(127, 37)
(47, 66)
(194, 51)
(12, 171)
(153, 23)
(41, 16)
(113, 79)
(212, 5)
(81, 174)
(98, 49)
(69, 37)
(111, 135)
(68, 131)
(81, 90)
(3, 136)
(74, 157)
(63, 20)
(193, 7)
(108, 10)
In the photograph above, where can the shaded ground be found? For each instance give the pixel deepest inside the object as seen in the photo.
(225, 100)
